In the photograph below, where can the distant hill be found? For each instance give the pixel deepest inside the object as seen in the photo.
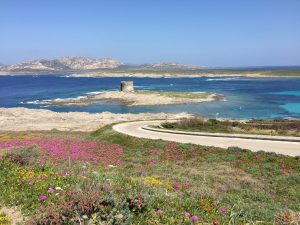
(85, 63)
(81, 64)
(68, 63)
(89, 66)
(169, 66)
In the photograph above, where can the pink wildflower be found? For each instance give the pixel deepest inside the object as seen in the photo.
(187, 214)
(55, 174)
(42, 197)
(71, 203)
(195, 218)
(71, 192)
(51, 190)
(43, 177)
(159, 212)
(31, 182)
(64, 173)
(176, 186)
(185, 184)
(216, 222)
(152, 162)
(223, 210)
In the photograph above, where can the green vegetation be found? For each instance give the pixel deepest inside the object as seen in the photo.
(177, 94)
(140, 181)
(293, 72)
(264, 127)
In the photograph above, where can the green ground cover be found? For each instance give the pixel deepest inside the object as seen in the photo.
(263, 127)
(108, 178)
(177, 94)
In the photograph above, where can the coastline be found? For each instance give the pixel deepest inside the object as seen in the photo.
(24, 119)
(161, 75)
(107, 74)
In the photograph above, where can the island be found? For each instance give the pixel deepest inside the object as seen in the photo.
(130, 97)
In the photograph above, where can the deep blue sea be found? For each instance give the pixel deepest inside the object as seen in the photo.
(246, 98)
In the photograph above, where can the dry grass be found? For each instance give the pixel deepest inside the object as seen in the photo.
(13, 214)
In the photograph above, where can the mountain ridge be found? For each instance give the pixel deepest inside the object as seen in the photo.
(81, 63)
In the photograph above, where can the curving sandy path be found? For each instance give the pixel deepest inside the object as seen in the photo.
(282, 147)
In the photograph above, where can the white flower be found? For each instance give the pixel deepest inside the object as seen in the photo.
(119, 216)
(58, 188)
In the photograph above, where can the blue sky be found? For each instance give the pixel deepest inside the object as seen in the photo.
(210, 32)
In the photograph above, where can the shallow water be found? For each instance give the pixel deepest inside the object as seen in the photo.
(246, 98)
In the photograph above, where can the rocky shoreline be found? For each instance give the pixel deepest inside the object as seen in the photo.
(23, 119)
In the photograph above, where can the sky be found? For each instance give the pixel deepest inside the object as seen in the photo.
(200, 32)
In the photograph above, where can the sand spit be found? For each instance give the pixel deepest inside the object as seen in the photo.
(167, 75)
(146, 74)
(139, 98)
(22, 119)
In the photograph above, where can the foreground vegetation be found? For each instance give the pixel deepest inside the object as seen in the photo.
(263, 127)
(109, 178)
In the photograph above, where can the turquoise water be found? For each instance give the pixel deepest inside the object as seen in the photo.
(295, 93)
(292, 107)
(246, 98)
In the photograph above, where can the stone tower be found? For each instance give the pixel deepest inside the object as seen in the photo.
(127, 86)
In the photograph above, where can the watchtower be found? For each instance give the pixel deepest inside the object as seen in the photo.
(127, 86)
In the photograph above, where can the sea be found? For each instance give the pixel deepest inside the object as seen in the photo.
(245, 97)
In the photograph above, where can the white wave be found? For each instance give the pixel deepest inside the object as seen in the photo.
(79, 97)
(63, 99)
(94, 92)
(35, 102)
(64, 76)
(224, 79)
(48, 101)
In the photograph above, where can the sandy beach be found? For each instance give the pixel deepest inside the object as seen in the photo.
(165, 75)
(22, 119)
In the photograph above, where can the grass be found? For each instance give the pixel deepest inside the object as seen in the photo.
(176, 94)
(155, 183)
(261, 127)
